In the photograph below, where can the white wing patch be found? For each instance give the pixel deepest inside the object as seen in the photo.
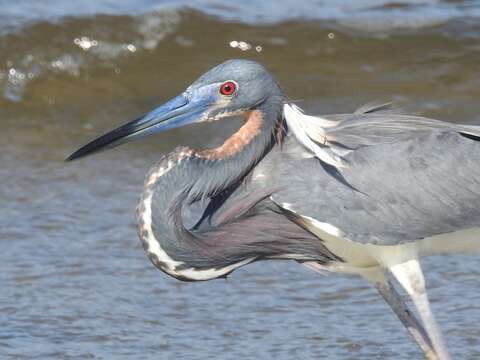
(310, 131)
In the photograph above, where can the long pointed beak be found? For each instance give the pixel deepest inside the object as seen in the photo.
(175, 113)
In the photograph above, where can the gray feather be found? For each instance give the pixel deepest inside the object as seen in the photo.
(357, 130)
(408, 185)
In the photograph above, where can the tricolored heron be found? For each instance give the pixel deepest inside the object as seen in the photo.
(366, 193)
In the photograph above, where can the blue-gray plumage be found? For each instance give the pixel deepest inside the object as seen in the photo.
(427, 183)
(366, 193)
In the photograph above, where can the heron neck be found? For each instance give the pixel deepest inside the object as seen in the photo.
(184, 177)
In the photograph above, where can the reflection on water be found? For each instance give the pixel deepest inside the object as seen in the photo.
(75, 282)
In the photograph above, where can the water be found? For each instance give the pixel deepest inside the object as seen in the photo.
(74, 280)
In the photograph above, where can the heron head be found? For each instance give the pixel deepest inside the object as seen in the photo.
(234, 87)
(231, 88)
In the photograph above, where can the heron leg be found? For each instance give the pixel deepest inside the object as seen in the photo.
(409, 274)
(378, 277)
(408, 319)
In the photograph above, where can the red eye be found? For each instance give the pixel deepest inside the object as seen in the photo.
(228, 88)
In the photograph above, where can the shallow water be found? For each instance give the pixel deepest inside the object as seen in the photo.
(74, 280)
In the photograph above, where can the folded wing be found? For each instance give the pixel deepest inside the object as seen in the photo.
(409, 177)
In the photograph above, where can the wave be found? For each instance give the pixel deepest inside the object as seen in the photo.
(366, 15)
(63, 38)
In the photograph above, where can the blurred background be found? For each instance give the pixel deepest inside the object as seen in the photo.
(74, 280)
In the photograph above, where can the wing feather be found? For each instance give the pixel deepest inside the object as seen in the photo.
(329, 136)
(410, 177)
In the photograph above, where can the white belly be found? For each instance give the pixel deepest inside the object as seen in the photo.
(358, 256)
